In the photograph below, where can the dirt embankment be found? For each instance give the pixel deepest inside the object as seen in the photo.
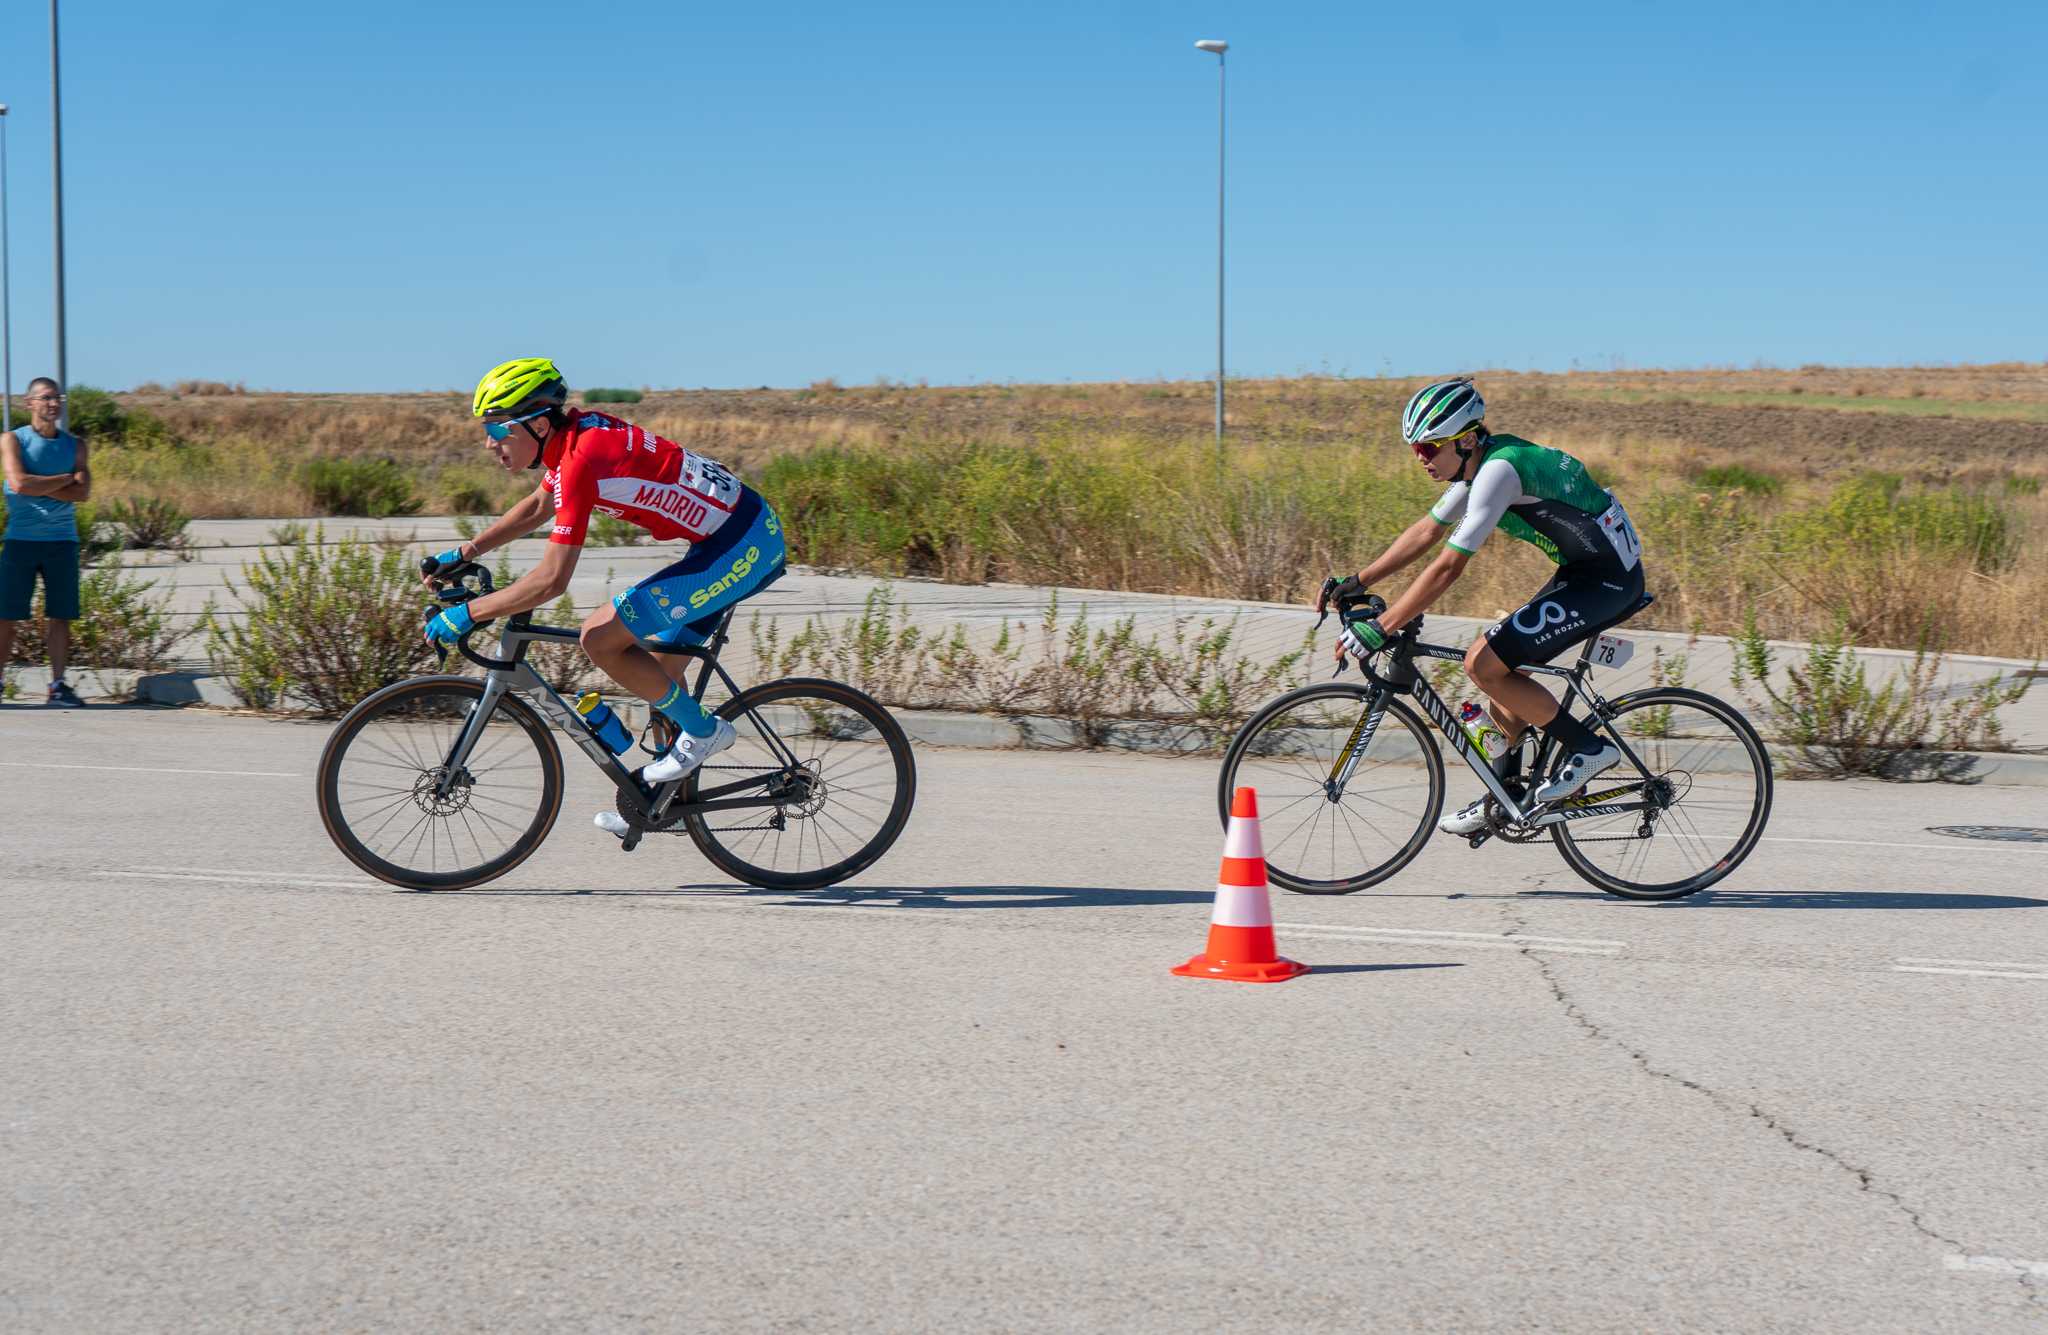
(1821, 441)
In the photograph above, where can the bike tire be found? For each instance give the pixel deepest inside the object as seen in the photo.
(837, 715)
(384, 704)
(1674, 759)
(1273, 716)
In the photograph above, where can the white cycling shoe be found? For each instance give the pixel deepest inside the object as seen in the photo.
(1578, 771)
(1470, 820)
(690, 752)
(613, 824)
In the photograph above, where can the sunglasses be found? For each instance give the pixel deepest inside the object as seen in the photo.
(1427, 450)
(500, 430)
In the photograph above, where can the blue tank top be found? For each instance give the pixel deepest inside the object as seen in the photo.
(43, 518)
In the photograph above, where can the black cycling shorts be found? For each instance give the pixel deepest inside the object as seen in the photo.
(1579, 602)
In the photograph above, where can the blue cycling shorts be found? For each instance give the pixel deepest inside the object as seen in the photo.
(681, 605)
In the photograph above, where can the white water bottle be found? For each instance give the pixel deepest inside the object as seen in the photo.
(1479, 729)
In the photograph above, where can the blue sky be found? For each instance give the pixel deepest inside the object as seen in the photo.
(394, 196)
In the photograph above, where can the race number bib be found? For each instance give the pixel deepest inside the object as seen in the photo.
(1612, 651)
(1614, 523)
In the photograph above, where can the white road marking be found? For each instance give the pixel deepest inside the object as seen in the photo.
(1980, 964)
(1967, 973)
(153, 769)
(1995, 1265)
(243, 878)
(1959, 846)
(1561, 945)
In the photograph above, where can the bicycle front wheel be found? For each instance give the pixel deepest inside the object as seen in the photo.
(384, 802)
(1325, 833)
(839, 769)
(1690, 817)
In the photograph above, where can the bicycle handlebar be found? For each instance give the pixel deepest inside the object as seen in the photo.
(1372, 604)
(455, 587)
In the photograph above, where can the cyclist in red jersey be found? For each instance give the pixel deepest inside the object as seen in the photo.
(593, 461)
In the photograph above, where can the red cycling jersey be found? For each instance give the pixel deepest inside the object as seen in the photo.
(599, 462)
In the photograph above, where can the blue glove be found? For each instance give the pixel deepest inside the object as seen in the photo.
(449, 559)
(1363, 637)
(450, 624)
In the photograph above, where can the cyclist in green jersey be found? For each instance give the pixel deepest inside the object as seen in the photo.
(1544, 497)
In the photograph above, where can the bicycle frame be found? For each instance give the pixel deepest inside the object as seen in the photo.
(1403, 679)
(514, 675)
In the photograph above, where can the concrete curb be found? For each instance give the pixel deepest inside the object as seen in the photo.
(1024, 732)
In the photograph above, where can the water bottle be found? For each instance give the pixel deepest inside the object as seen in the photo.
(598, 717)
(1485, 738)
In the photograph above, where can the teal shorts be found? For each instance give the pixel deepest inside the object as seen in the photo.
(21, 562)
(681, 605)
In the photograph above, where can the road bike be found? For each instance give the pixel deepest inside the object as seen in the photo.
(444, 782)
(1351, 784)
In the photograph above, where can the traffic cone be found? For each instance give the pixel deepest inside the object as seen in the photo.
(1241, 927)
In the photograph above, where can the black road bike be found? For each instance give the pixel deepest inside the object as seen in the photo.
(1351, 784)
(445, 782)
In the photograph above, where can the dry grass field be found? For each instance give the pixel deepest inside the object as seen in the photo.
(1906, 502)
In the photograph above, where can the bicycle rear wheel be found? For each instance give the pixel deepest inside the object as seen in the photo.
(1319, 839)
(1695, 815)
(842, 772)
(380, 777)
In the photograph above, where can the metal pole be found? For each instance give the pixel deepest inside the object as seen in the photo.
(6, 294)
(1219, 250)
(1216, 46)
(57, 213)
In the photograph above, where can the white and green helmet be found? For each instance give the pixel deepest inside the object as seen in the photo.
(1440, 411)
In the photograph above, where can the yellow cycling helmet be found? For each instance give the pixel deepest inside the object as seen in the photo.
(520, 385)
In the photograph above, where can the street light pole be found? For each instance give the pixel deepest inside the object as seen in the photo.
(1218, 48)
(6, 295)
(57, 213)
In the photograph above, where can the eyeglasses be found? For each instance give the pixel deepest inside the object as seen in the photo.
(500, 430)
(46, 398)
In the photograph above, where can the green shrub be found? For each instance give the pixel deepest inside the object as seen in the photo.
(321, 626)
(1844, 729)
(1734, 477)
(610, 396)
(120, 625)
(1091, 676)
(377, 488)
(1133, 514)
(606, 531)
(1873, 515)
(467, 496)
(98, 537)
(288, 534)
(150, 524)
(93, 414)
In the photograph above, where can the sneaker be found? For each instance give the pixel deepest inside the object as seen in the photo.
(690, 752)
(63, 697)
(1578, 771)
(613, 824)
(1469, 821)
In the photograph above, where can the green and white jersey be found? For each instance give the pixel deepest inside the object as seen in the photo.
(1544, 497)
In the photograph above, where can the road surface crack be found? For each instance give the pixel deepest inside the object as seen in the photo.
(1756, 1112)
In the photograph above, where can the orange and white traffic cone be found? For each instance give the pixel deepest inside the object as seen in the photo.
(1241, 927)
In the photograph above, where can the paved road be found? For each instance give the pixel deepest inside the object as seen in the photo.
(247, 1088)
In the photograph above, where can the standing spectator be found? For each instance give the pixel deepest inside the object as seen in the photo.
(46, 477)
